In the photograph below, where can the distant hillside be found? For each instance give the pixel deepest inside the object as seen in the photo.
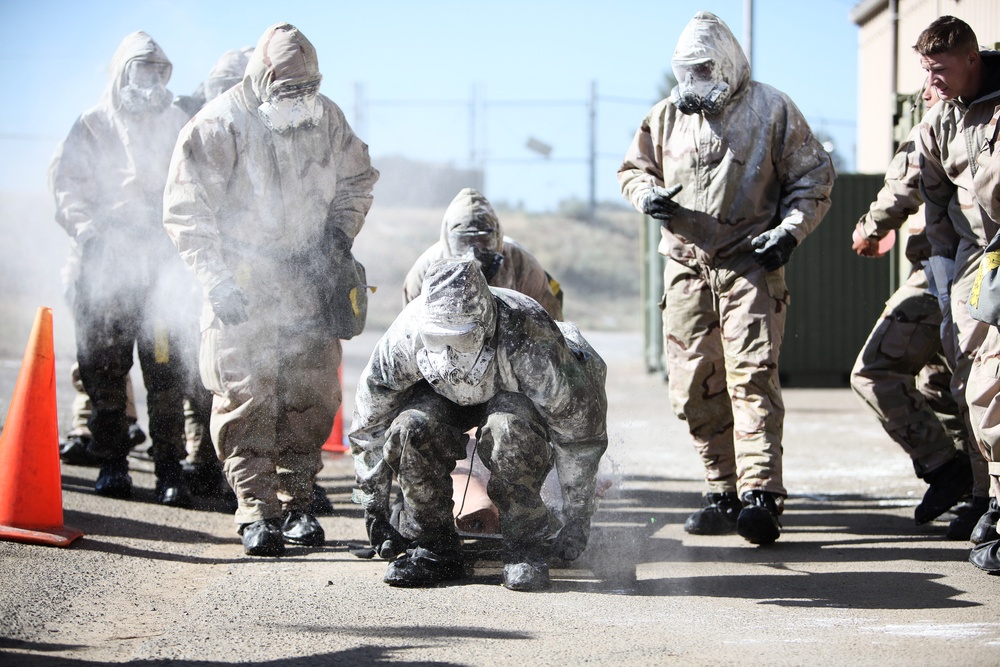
(597, 265)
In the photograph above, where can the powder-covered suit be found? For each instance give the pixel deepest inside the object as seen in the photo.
(271, 212)
(107, 178)
(470, 212)
(542, 402)
(754, 166)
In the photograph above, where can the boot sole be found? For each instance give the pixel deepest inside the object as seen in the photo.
(313, 541)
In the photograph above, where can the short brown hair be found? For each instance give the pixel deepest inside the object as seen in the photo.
(946, 34)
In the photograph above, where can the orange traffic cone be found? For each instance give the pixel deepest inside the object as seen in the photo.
(30, 477)
(335, 443)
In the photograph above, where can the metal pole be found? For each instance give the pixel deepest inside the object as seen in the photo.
(359, 113)
(472, 126)
(895, 259)
(593, 151)
(748, 32)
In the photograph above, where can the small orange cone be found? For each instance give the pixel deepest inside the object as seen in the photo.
(30, 477)
(335, 443)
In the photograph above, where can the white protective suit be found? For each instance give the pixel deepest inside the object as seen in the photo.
(107, 178)
(749, 167)
(470, 212)
(272, 212)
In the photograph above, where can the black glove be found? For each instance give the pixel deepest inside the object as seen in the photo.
(773, 248)
(571, 539)
(659, 202)
(229, 302)
(385, 539)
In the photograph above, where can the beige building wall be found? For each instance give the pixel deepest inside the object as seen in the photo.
(875, 97)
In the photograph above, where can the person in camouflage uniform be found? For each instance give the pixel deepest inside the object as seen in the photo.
(471, 227)
(984, 378)
(902, 373)
(951, 136)
(463, 355)
(747, 181)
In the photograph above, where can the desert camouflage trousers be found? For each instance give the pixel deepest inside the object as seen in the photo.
(901, 373)
(967, 335)
(722, 336)
(427, 438)
(983, 394)
(276, 394)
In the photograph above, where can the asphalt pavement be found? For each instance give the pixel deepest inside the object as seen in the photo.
(851, 581)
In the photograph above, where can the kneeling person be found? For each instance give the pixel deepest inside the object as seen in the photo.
(463, 355)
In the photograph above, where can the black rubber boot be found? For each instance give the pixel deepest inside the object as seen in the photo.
(717, 517)
(74, 451)
(420, 567)
(113, 479)
(136, 436)
(986, 528)
(302, 528)
(262, 538)
(171, 488)
(527, 575)
(758, 522)
(204, 479)
(986, 556)
(320, 504)
(948, 484)
(966, 517)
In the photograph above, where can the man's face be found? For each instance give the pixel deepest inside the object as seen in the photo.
(952, 75)
(930, 96)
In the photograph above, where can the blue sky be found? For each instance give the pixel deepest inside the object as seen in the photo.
(441, 81)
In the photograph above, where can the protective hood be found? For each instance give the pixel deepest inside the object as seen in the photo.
(470, 213)
(283, 57)
(457, 299)
(706, 38)
(136, 46)
(226, 73)
(232, 64)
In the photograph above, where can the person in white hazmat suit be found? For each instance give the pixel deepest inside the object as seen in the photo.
(470, 227)
(268, 188)
(733, 172)
(202, 468)
(463, 355)
(107, 178)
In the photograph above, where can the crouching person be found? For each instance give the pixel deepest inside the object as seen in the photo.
(463, 355)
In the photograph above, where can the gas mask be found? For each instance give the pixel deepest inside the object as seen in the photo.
(295, 108)
(475, 244)
(456, 365)
(699, 89)
(146, 90)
